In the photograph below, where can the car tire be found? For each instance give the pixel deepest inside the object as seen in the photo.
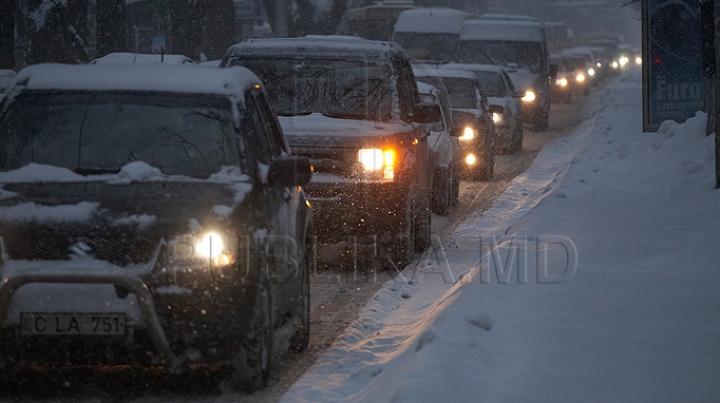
(423, 228)
(442, 191)
(517, 140)
(541, 121)
(398, 249)
(486, 169)
(301, 339)
(455, 201)
(251, 367)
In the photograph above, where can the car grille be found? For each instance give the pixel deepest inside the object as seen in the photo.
(118, 245)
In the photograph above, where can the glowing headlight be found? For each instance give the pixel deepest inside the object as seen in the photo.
(375, 160)
(197, 250)
(529, 96)
(210, 246)
(470, 159)
(591, 71)
(468, 134)
(638, 60)
(580, 78)
(497, 117)
(598, 64)
(562, 81)
(615, 65)
(624, 61)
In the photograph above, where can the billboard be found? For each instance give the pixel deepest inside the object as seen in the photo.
(673, 78)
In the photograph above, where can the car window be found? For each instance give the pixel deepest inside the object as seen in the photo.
(254, 132)
(492, 83)
(276, 142)
(102, 132)
(349, 89)
(405, 83)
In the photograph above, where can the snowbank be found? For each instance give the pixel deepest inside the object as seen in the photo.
(631, 312)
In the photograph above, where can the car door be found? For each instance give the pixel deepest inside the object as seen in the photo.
(286, 208)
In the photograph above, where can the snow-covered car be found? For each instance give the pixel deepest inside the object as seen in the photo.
(121, 57)
(154, 218)
(504, 101)
(444, 143)
(353, 107)
(471, 113)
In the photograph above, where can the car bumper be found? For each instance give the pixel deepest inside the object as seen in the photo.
(164, 328)
(343, 207)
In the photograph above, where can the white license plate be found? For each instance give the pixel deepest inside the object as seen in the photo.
(71, 324)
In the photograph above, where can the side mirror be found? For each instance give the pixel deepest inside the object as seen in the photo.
(518, 94)
(457, 131)
(553, 70)
(426, 113)
(289, 171)
(496, 109)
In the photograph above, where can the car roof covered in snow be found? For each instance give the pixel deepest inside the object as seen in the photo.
(503, 30)
(428, 71)
(142, 58)
(433, 19)
(315, 46)
(152, 77)
(473, 67)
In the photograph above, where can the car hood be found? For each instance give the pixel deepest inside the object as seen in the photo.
(317, 130)
(523, 79)
(119, 223)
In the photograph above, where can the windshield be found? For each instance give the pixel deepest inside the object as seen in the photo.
(461, 92)
(527, 55)
(335, 88)
(427, 46)
(492, 83)
(100, 133)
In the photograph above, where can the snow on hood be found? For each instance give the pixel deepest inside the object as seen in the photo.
(82, 211)
(317, 124)
(523, 79)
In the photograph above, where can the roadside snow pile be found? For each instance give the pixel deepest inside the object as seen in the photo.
(612, 295)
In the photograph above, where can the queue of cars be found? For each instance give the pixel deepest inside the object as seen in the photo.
(165, 216)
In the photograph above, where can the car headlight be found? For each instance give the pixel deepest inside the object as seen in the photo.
(378, 163)
(599, 65)
(580, 78)
(624, 60)
(468, 134)
(497, 117)
(591, 71)
(529, 96)
(614, 65)
(212, 249)
(470, 159)
(562, 82)
(638, 60)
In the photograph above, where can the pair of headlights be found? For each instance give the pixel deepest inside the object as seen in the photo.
(562, 82)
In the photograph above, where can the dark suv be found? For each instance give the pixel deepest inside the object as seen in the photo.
(149, 214)
(352, 106)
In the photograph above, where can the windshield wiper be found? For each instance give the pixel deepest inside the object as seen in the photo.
(95, 171)
(303, 113)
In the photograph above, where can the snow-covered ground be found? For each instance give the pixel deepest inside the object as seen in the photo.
(613, 294)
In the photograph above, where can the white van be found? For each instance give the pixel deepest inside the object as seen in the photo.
(520, 45)
(429, 33)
